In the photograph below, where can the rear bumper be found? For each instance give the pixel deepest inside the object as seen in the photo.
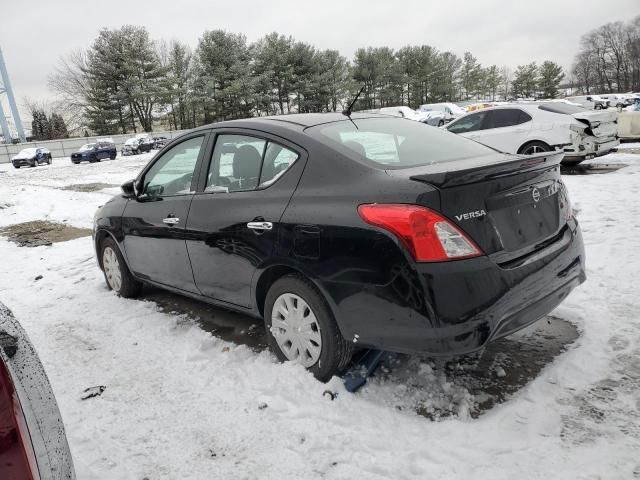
(591, 147)
(454, 308)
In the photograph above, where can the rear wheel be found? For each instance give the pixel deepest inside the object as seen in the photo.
(116, 272)
(301, 328)
(532, 148)
(49, 160)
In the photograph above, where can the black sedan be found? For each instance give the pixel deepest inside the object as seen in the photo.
(345, 232)
(33, 444)
(31, 157)
(94, 152)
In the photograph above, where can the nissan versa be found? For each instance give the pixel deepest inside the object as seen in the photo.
(347, 231)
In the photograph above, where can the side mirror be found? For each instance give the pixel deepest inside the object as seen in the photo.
(129, 189)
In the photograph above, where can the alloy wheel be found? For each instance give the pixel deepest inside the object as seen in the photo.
(112, 268)
(534, 149)
(296, 329)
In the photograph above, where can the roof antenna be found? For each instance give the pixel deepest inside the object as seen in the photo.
(347, 112)
(349, 109)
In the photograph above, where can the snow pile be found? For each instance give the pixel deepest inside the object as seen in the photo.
(180, 403)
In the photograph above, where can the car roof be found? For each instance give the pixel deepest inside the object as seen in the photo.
(293, 120)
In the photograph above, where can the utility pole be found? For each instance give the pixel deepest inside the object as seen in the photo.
(5, 87)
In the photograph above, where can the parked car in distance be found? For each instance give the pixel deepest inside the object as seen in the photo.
(33, 444)
(94, 152)
(593, 102)
(406, 112)
(32, 157)
(346, 231)
(528, 128)
(451, 111)
(137, 145)
(617, 100)
(159, 142)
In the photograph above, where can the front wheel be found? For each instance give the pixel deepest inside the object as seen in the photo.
(49, 160)
(116, 272)
(34, 163)
(301, 328)
(532, 148)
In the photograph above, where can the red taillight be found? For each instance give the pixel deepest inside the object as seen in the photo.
(428, 236)
(16, 452)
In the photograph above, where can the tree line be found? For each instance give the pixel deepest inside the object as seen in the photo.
(609, 58)
(47, 127)
(125, 81)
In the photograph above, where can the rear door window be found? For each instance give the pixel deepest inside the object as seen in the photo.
(505, 117)
(244, 163)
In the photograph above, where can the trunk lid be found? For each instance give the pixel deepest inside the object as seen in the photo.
(509, 208)
(599, 124)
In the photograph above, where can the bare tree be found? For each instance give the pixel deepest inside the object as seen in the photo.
(69, 82)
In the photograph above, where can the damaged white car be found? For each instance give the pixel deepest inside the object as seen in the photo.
(531, 128)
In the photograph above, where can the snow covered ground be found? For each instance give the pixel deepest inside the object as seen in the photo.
(183, 404)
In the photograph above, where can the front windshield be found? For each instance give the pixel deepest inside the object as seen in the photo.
(397, 143)
(86, 147)
(28, 151)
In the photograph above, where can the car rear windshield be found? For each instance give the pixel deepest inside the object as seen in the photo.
(397, 142)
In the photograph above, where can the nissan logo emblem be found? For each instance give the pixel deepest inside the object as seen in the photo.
(535, 193)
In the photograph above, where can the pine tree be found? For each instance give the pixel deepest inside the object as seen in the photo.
(551, 75)
(525, 80)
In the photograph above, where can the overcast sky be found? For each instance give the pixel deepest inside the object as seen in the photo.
(34, 34)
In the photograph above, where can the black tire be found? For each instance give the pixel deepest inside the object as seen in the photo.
(16, 166)
(49, 160)
(531, 148)
(129, 286)
(93, 159)
(112, 156)
(336, 352)
(441, 123)
(34, 163)
(597, 107)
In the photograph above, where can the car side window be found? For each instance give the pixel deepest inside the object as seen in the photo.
(506, 117)
(172, 173)
(242, 163)
(277, 160)
(469, 123)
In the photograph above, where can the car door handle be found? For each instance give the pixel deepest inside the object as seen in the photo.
(170, 220)
(260, 225)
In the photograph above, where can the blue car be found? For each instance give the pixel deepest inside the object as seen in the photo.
(32, 157)
(94, 152)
